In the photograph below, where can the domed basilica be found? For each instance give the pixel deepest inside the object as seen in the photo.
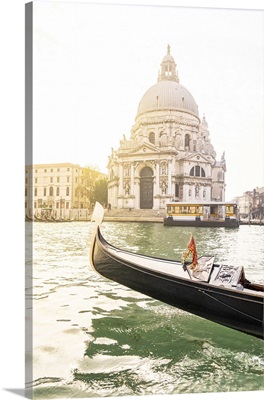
(169, 155)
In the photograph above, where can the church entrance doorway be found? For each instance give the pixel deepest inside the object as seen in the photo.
(146, 188)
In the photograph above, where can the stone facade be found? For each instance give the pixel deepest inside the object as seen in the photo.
(251, 203)
(169, 155)
(57, 189)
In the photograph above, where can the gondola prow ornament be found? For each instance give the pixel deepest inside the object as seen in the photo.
(191, 248)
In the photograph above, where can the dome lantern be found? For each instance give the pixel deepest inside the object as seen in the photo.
(168, 68)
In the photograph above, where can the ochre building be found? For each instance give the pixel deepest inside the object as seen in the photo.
(169, 155)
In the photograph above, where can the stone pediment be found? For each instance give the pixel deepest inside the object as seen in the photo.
(198, 157)
(144, 148)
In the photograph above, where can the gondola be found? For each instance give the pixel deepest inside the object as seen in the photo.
(216, 292)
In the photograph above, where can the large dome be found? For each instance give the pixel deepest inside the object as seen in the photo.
(168, 94)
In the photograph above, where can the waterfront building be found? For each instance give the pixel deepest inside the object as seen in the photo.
(169, 154)
(244, 204)
(59, 189)
(258, 203)
(251, 203)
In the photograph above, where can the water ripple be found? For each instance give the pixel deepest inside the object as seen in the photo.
(97, 338)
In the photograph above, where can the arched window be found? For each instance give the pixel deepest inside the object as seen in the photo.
(51, 191)
(67, 191)
(58, 191)
(187, 140)
(219, 176)
(197, 171)
(152, 137)
(177, 191)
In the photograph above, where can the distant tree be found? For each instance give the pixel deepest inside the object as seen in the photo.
(100, 191)
(88, 182)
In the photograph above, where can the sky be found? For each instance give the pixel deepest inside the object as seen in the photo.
(92, 65)
(223, 72)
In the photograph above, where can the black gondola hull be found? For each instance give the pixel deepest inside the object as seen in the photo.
(232, 308)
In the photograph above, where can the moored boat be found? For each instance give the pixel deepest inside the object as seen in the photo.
(48, 219)
(217, 292)
(207, 214)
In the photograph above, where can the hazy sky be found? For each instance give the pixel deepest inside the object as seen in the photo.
(93, 63)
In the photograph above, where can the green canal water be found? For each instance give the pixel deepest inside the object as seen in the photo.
(95, 338)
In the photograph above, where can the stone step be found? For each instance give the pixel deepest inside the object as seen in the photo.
(135, 215)
(135, 212)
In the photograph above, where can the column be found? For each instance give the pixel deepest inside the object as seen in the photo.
(157, 189)
(169, 178)
(137, 193)
(132, 173)
(120, 187)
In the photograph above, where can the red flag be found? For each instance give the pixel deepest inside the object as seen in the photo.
(192, 249)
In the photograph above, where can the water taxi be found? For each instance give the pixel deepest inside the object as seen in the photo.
(209, 214)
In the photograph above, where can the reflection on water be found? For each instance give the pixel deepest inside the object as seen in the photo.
(243, 246)
(93, 337)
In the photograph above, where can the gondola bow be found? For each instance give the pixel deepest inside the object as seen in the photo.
(216, 292)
